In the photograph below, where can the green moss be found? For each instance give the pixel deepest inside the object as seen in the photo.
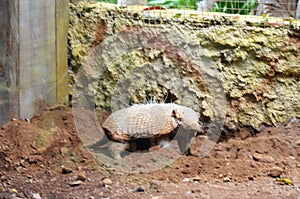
(43, 137)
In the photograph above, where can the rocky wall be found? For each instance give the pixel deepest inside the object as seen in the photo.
(243, 71)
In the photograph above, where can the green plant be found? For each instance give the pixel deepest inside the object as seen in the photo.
(242, 7)
(108, 1)
(191, 4)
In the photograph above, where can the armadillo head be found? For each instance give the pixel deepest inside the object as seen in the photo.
(188, 120)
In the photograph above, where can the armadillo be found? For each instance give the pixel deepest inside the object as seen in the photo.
(147, 125)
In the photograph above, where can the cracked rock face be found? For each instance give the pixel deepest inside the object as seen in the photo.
(248, 73)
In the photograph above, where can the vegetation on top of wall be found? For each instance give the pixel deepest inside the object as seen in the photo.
(108, 1)
(174, 4)
(179, 4)
(233, 7)
(243, 7)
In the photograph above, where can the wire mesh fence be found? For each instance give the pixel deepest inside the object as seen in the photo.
(265, 8)
(203, 13)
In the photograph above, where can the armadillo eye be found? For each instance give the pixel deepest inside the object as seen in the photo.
(176, 115)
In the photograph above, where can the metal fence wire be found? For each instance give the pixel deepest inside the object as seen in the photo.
(264, 8)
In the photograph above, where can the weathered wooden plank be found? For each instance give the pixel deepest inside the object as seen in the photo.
(37, 98)
(38, 66)
(37, 56)
(9, 99)
(62, 24)
(33, 56)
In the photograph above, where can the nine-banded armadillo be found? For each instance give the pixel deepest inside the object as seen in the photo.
(142, 126)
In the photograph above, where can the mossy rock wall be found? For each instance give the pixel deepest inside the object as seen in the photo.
(223, 67)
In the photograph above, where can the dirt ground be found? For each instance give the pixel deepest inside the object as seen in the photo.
(44, 158)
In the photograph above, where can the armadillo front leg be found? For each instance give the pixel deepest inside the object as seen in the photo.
(116, 148)
(164, 143)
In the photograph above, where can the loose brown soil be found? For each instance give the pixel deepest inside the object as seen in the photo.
(45, 158)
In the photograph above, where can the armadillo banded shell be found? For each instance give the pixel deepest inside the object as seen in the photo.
(141, 121)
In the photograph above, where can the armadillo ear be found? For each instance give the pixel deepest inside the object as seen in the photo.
(177, 114)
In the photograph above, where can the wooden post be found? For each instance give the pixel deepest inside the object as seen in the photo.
(298, 10)
(37, 47)
(9, 60)
(62, 24)
(33, 56)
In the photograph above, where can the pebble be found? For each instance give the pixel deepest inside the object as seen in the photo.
(66, 170)
(185, 171)
(154, 148)
(107, 181)
(36, 196)
(81, 176)
(196, 179)
(251, 178)
(263, 158)
(186, 180)
(188, 193)
(64, 117)
(14, 196)
(75, 183)
(64, 151)
(155, 184)
(275, 172)
(139, 189)
(226, 179)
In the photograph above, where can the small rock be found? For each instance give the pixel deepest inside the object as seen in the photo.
(196, 191)
(139, 189)
(64, 151)
(7, 159)
(188, 193)
(154, 148)
(107, 181)
(33, 159)
(81, 176)
(185, 171)
(66, 170)
(292, 157)
(275, 172)
(251, 178)
(186, 180)
(14, 196)
(196, 179)
(226, 179)
(58, 107)
(263, 158)
(64, 117)
(155, 184)
(75, 183)
(36, 196)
